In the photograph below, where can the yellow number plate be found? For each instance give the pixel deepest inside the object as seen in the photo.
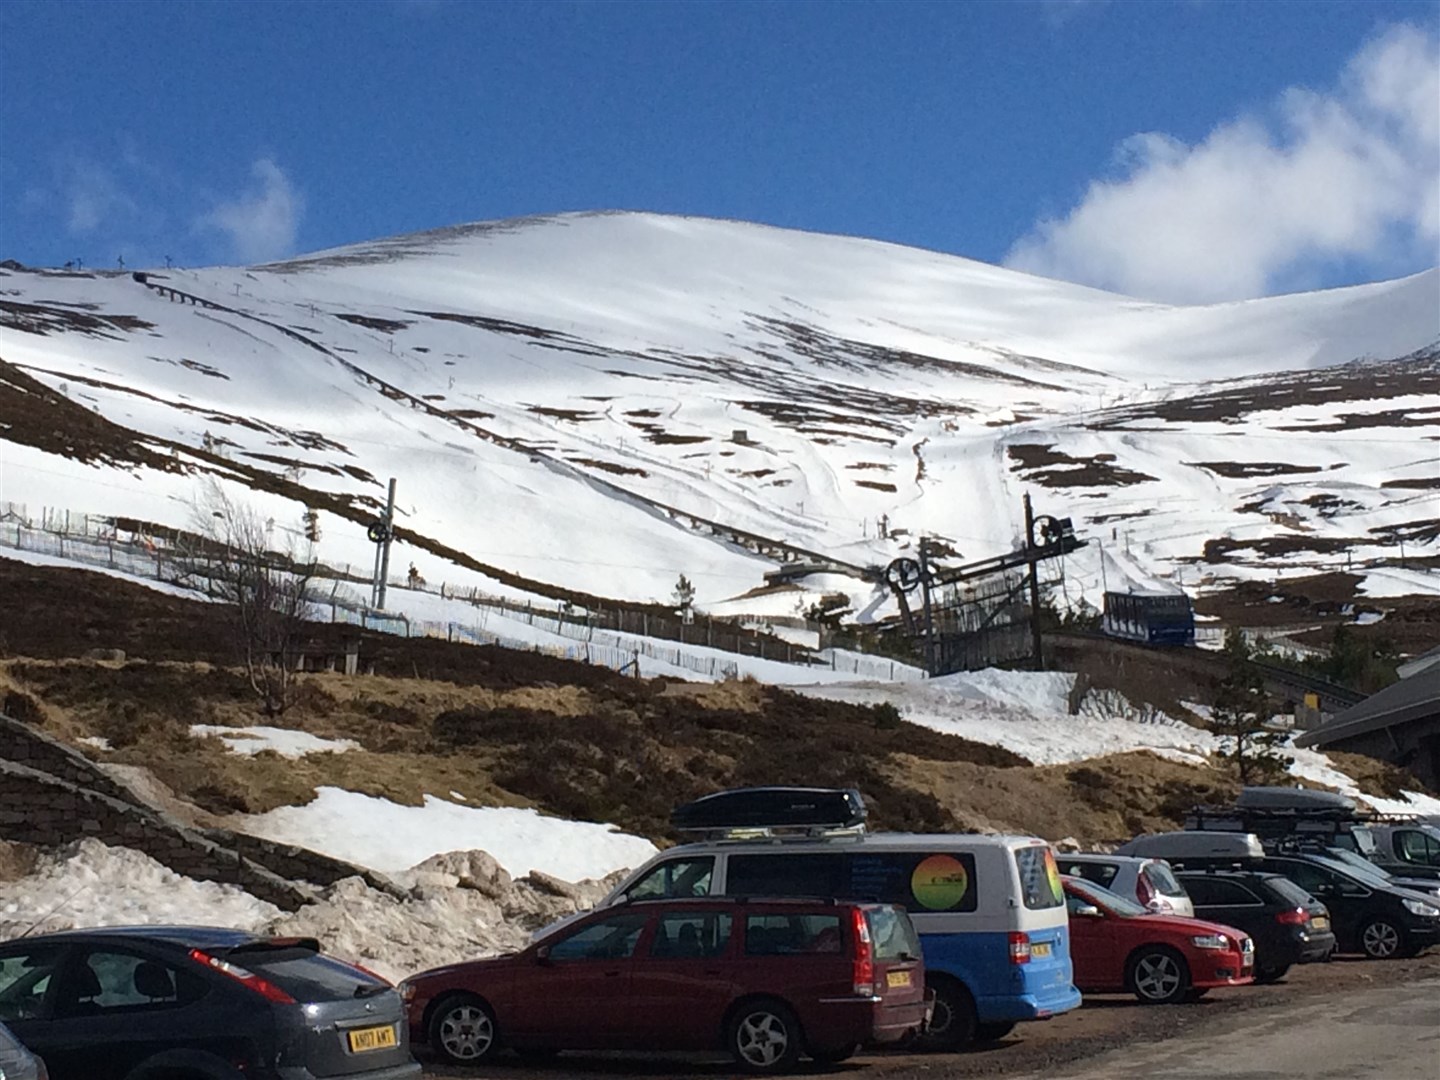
(897, 978)
(1321, 922)
(1040, 948)
(376, 1038)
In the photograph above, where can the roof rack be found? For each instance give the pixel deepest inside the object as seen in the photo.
(774, 813)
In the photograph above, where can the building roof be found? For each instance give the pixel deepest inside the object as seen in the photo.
(1408, 700)
(1420, 663)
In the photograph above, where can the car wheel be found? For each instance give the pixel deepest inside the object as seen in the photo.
(993, 1032)
(836, 1055)
(1159, 976)
(1381, 939)
(764, 1037)
(1271, 974)
(462, 1030)
(953, 1023)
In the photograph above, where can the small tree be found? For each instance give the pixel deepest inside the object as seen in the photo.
(266, 590)
(1239, 714)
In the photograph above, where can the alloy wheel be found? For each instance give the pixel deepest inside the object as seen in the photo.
(466, 1032)
(1158, 977)
(1381, 940)
(762, 1039)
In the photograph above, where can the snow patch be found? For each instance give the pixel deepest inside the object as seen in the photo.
(288, 743)
(386, 836)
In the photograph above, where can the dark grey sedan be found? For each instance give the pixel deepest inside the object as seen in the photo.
(137, 1003)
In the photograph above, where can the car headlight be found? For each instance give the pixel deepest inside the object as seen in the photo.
(1419, 907)
(407, 992)
(1210, 941)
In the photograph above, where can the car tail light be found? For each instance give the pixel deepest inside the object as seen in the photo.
(1144, 891)
(863, 977)
(266, 989)
(1019, 947)
(1292, 917)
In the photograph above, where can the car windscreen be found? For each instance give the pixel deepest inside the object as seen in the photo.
(893, 934)
(1289, 892)
(1358, 863)
(305, 975)
(1160, 876)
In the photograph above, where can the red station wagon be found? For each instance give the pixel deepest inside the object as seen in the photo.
(767, 980)
(1117, 945)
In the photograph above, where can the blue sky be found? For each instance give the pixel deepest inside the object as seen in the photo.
(1188, 151)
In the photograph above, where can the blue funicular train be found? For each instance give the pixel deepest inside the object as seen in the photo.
(1152, 616)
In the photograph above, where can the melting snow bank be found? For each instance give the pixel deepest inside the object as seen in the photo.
(288, 743)
(1029, 712)
(390, 837)
(460, 906)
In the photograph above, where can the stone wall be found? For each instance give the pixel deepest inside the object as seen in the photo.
(50, 795)
(37, 808)
(22, 744)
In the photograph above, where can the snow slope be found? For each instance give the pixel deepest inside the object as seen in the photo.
(559, 398)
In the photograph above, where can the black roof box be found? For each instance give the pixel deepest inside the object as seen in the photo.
(772, 808)
(1299, 800)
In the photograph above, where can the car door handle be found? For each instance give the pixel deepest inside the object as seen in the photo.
(712, 971)
(612, 974)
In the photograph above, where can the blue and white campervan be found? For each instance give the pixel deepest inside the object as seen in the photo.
(990, 909)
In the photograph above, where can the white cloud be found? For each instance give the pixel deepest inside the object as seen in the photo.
(89, 196)
(261, 223)
(1353, 174)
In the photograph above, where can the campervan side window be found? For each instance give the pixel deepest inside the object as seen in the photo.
(784, 875)
(922, 881)
(679, 877)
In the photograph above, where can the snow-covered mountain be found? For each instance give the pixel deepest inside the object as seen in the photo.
(603, 402)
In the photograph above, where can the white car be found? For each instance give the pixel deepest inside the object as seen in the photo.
(1149, 882)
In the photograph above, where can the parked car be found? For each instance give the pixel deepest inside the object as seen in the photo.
(989, 909)
(1287, 924)
(1429, 886)
(1148, 881)
(202, 1003)
(16, 1062)
(1409, 850)
(1370, 914)
(767, 980)
(1120, 946)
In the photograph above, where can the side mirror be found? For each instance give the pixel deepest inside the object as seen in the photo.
(542, 956)
(1087, 911)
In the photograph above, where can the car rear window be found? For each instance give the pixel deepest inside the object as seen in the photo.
(783, 935)
(1039, 877)
(1102, 874)
(306, 976)
(892, 934)
(1163, 881)
(1289, 892)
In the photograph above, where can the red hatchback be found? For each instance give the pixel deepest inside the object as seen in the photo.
(767, 980)
(1117, 945)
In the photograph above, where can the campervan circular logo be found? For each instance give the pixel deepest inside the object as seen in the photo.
(939, 882)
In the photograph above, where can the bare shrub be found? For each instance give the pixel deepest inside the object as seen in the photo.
(265, 584)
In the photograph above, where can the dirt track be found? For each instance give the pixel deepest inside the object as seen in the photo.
(1105, 1023)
